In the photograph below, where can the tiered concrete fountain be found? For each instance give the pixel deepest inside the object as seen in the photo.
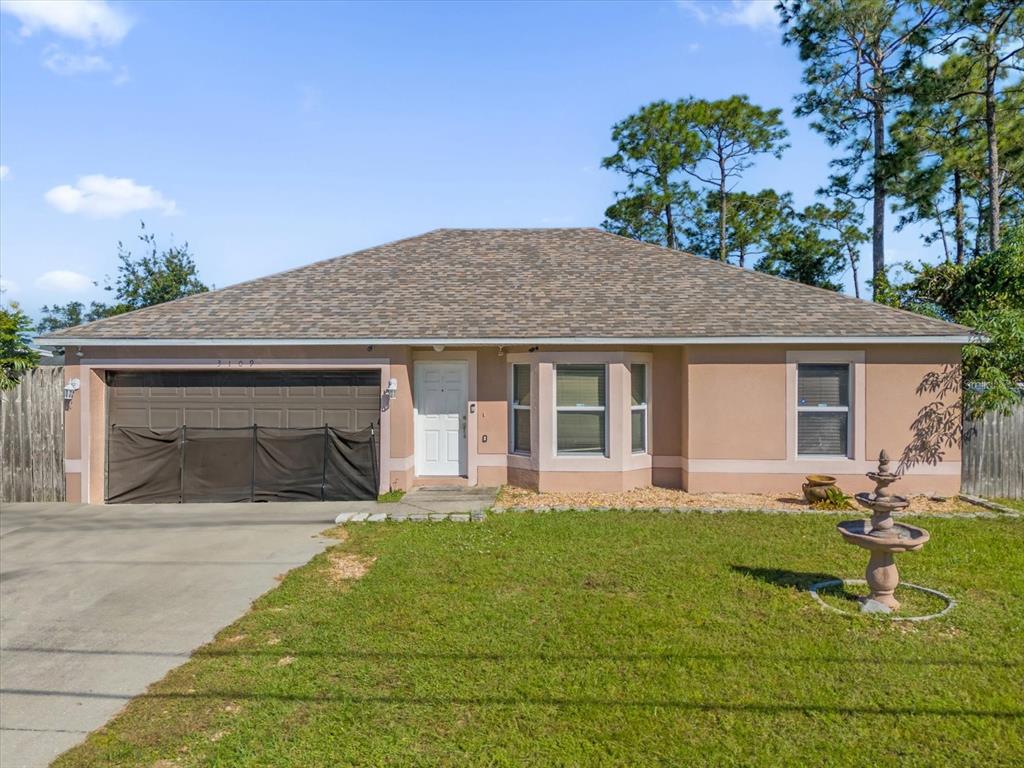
(883, 538)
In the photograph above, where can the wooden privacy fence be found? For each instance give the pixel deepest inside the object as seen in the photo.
(32, 437)
(993, 455)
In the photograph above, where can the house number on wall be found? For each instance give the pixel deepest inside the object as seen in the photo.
(236, 363)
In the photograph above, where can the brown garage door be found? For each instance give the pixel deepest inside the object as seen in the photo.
(348, 400)
(212, 436)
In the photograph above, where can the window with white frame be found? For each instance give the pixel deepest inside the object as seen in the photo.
(581, 423)
(638, 407)
(823, 409)
(521, 409)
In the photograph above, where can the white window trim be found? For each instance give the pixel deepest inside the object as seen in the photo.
(856, 426)
(604, 453)
(514, 406)
(645, 408)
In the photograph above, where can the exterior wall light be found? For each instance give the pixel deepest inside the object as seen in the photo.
(70, 388)
(392, 388)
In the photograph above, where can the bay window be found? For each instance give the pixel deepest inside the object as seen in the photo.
(581, 410)
(638, 407)
(520, 409)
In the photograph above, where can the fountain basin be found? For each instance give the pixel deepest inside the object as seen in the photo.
(882, 504)
(901, 537)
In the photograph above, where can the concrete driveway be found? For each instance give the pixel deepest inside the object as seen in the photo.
(98, 602)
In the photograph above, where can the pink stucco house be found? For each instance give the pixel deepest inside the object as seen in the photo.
(548, 358)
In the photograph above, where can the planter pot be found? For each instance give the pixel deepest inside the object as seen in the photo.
(816, 487)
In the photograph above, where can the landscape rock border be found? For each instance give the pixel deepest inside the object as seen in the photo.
(950, 602)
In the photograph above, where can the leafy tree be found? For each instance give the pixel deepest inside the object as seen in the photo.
(648, 216)
(989, 34)
(751, 220)
(857, 56)
(16, 353)
(986, 294)
(944, 144)
(652, 148)
(153, 278)
(67, 315)
(935, 152)
(845, 223)
(799, 250)
(732, 132)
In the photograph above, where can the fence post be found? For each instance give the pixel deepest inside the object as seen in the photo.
(181, 466)
(252, 481)
(323, 471)
(373, 462)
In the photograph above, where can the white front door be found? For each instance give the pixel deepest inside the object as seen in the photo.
(441, 399)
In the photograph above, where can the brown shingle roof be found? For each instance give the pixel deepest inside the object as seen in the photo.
(513, 284)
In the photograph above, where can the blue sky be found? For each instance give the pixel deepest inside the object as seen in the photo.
(270, 135)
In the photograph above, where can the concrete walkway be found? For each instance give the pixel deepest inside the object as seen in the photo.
(97, 602)
(432, 503)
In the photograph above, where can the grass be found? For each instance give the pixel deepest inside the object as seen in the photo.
(1017, 504)
(601, 638)
(390, 497)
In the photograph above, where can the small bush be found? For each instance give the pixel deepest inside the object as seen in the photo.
(390, 497)
(834, 499)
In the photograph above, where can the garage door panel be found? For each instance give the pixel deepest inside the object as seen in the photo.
(235, 417)
(269, 417)
(164, 418)
(125, 414)
(302, 418)
(201, 417)
(366, 418)
(340, 419)
(234, 392)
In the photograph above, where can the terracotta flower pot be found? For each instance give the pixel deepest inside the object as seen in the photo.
(816, 487)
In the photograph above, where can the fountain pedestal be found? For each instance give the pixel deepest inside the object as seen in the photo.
(882, 537)
(883, 578)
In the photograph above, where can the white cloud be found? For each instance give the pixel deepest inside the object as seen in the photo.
(64, 281)
(63, 63)
(8, 285)
(104, 197)
(91, 21)
(5, 171)
(693, 47)
(753, 14)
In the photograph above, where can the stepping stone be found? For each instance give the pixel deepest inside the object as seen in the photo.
(459, 518)
(377, 517)
(438, 516)
(359, 517)
(344, 517)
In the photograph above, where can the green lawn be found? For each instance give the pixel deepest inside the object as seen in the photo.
(600, 638)
(1017, 504)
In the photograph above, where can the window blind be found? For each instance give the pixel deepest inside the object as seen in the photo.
(580, 386)
(822, 434)
(823, 385)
